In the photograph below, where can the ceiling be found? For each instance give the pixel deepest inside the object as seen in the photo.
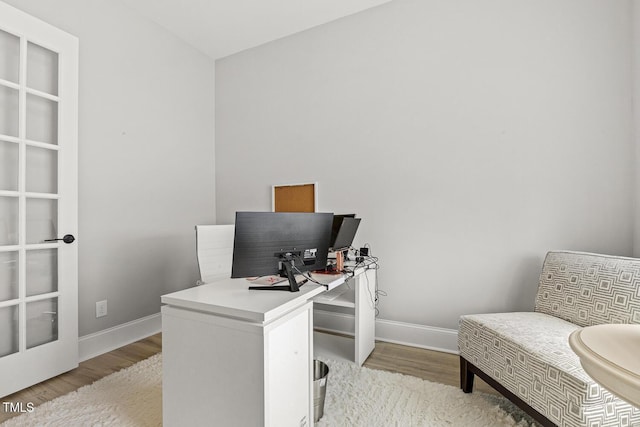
(220, 28)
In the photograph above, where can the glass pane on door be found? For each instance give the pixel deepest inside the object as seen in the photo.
(9, 330)
(42, 220)
(42, 69)
(8, 111)
(42, 271)
(8, 220)
(8, 166)
(9, 57)
(42, 322)
(8, 275)
(42, 119)
(42, 170)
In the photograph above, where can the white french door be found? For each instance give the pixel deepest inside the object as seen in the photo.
(38, 200)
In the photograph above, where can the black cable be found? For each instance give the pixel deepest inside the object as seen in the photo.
(371, 263)
(307, 276)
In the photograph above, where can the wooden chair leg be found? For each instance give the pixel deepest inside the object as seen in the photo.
(466, 376)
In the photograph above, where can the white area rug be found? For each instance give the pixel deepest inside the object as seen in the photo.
(130, 397)
(355, 397)
(366, 397)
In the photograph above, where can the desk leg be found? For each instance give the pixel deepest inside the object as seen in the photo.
(365, 316)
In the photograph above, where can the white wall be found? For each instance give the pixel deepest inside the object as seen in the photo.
(145, 157)
(471, 137)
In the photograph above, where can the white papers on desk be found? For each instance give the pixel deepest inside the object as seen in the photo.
(273, 280)
(266, 280)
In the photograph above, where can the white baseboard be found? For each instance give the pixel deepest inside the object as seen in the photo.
(421, 336)
(101, 342)
(428, 337)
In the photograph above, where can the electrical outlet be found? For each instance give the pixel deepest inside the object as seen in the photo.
(101, 308)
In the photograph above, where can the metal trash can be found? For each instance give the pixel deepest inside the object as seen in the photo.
(320, 373)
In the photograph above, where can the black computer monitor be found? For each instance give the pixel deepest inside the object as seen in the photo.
(346, 234)
(335, 227)
(343, 231)
(284, 243)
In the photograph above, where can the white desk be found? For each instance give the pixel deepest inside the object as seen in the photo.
(232, 356)
(609, 354)
(356, 293)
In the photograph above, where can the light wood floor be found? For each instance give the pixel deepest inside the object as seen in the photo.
(435, 366)
(430, 365)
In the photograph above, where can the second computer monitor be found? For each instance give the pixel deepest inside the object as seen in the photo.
(346, 232)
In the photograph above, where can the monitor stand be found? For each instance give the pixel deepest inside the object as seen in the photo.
(287, 271)
(340, 261)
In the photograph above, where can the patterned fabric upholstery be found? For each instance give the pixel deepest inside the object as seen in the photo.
(529, 353)
(588, 289)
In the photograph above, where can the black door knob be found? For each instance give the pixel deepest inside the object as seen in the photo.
(68, 238)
